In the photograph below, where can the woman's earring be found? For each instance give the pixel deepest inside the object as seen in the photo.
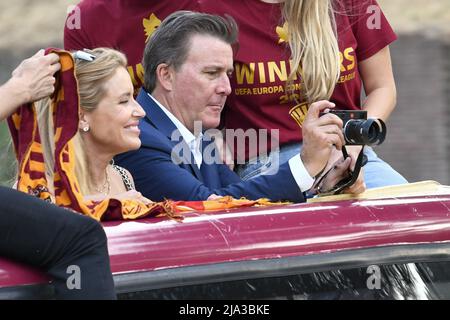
(85, 129)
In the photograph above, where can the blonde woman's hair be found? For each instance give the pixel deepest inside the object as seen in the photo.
(91, 77)
(314, 48)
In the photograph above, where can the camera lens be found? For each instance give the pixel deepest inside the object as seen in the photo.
(365, 132)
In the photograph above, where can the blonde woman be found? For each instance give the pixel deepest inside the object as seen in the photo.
(41, 234)
(296, 52)
(109, 118)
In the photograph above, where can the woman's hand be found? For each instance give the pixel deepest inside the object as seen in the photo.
(34, 79)
(31, 80)
(128, 195)
(132, 195)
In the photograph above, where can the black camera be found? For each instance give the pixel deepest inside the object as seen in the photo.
(358, 130)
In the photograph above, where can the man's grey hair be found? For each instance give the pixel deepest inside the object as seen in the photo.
(170, 43)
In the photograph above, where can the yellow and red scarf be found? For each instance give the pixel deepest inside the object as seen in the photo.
(32, 180)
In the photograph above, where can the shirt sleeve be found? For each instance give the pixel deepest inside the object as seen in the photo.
(75, 37)
(300, 174)
(370, 27)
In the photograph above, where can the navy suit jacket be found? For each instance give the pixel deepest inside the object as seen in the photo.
(157, 177)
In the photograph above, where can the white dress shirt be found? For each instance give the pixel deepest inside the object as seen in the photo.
(298, 170)
(191, 140)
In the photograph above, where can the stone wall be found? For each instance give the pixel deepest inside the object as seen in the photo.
(418, 142)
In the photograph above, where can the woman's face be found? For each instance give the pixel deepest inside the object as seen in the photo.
(114, 123)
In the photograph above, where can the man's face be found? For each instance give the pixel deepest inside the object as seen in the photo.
(201, 85)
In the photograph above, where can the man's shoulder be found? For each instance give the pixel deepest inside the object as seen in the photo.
(154, 145)
(152, 136)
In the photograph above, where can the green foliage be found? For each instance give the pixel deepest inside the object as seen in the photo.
(8, 164)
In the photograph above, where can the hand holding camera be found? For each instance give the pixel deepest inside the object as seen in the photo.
(357, 130)
(320, 136)
(325, 130)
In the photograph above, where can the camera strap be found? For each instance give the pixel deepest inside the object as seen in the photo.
(347, 181)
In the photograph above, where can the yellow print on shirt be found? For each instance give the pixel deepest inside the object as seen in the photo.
(282, 33)
(288, 97)
(252, 73)
(298, 113)
(348, 65)
(347, 77)
(136, 74)
(292, 93)
(348, 58)
(261, 72)
(137, 71)
(258, 91)
(150, 25)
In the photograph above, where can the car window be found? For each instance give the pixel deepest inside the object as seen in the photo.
(394, 281)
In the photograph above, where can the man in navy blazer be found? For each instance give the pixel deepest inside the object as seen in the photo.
(187, 66)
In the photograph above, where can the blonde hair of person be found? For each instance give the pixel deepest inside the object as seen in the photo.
(91, 76)
(314, 47)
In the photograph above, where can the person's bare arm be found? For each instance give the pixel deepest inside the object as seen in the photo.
(32, 80)
(379, 85)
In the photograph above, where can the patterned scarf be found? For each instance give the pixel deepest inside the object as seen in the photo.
(32, 179)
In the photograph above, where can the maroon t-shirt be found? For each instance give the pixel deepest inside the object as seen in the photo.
(124, 25)
(261, 67)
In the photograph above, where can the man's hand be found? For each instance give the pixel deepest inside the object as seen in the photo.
(336, 155)
(320, 136)
(353, 152)
(359, 186)
(213, 197)
(33, 79)
(340, 171)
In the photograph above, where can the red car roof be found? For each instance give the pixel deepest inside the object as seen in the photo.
(263, 233)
